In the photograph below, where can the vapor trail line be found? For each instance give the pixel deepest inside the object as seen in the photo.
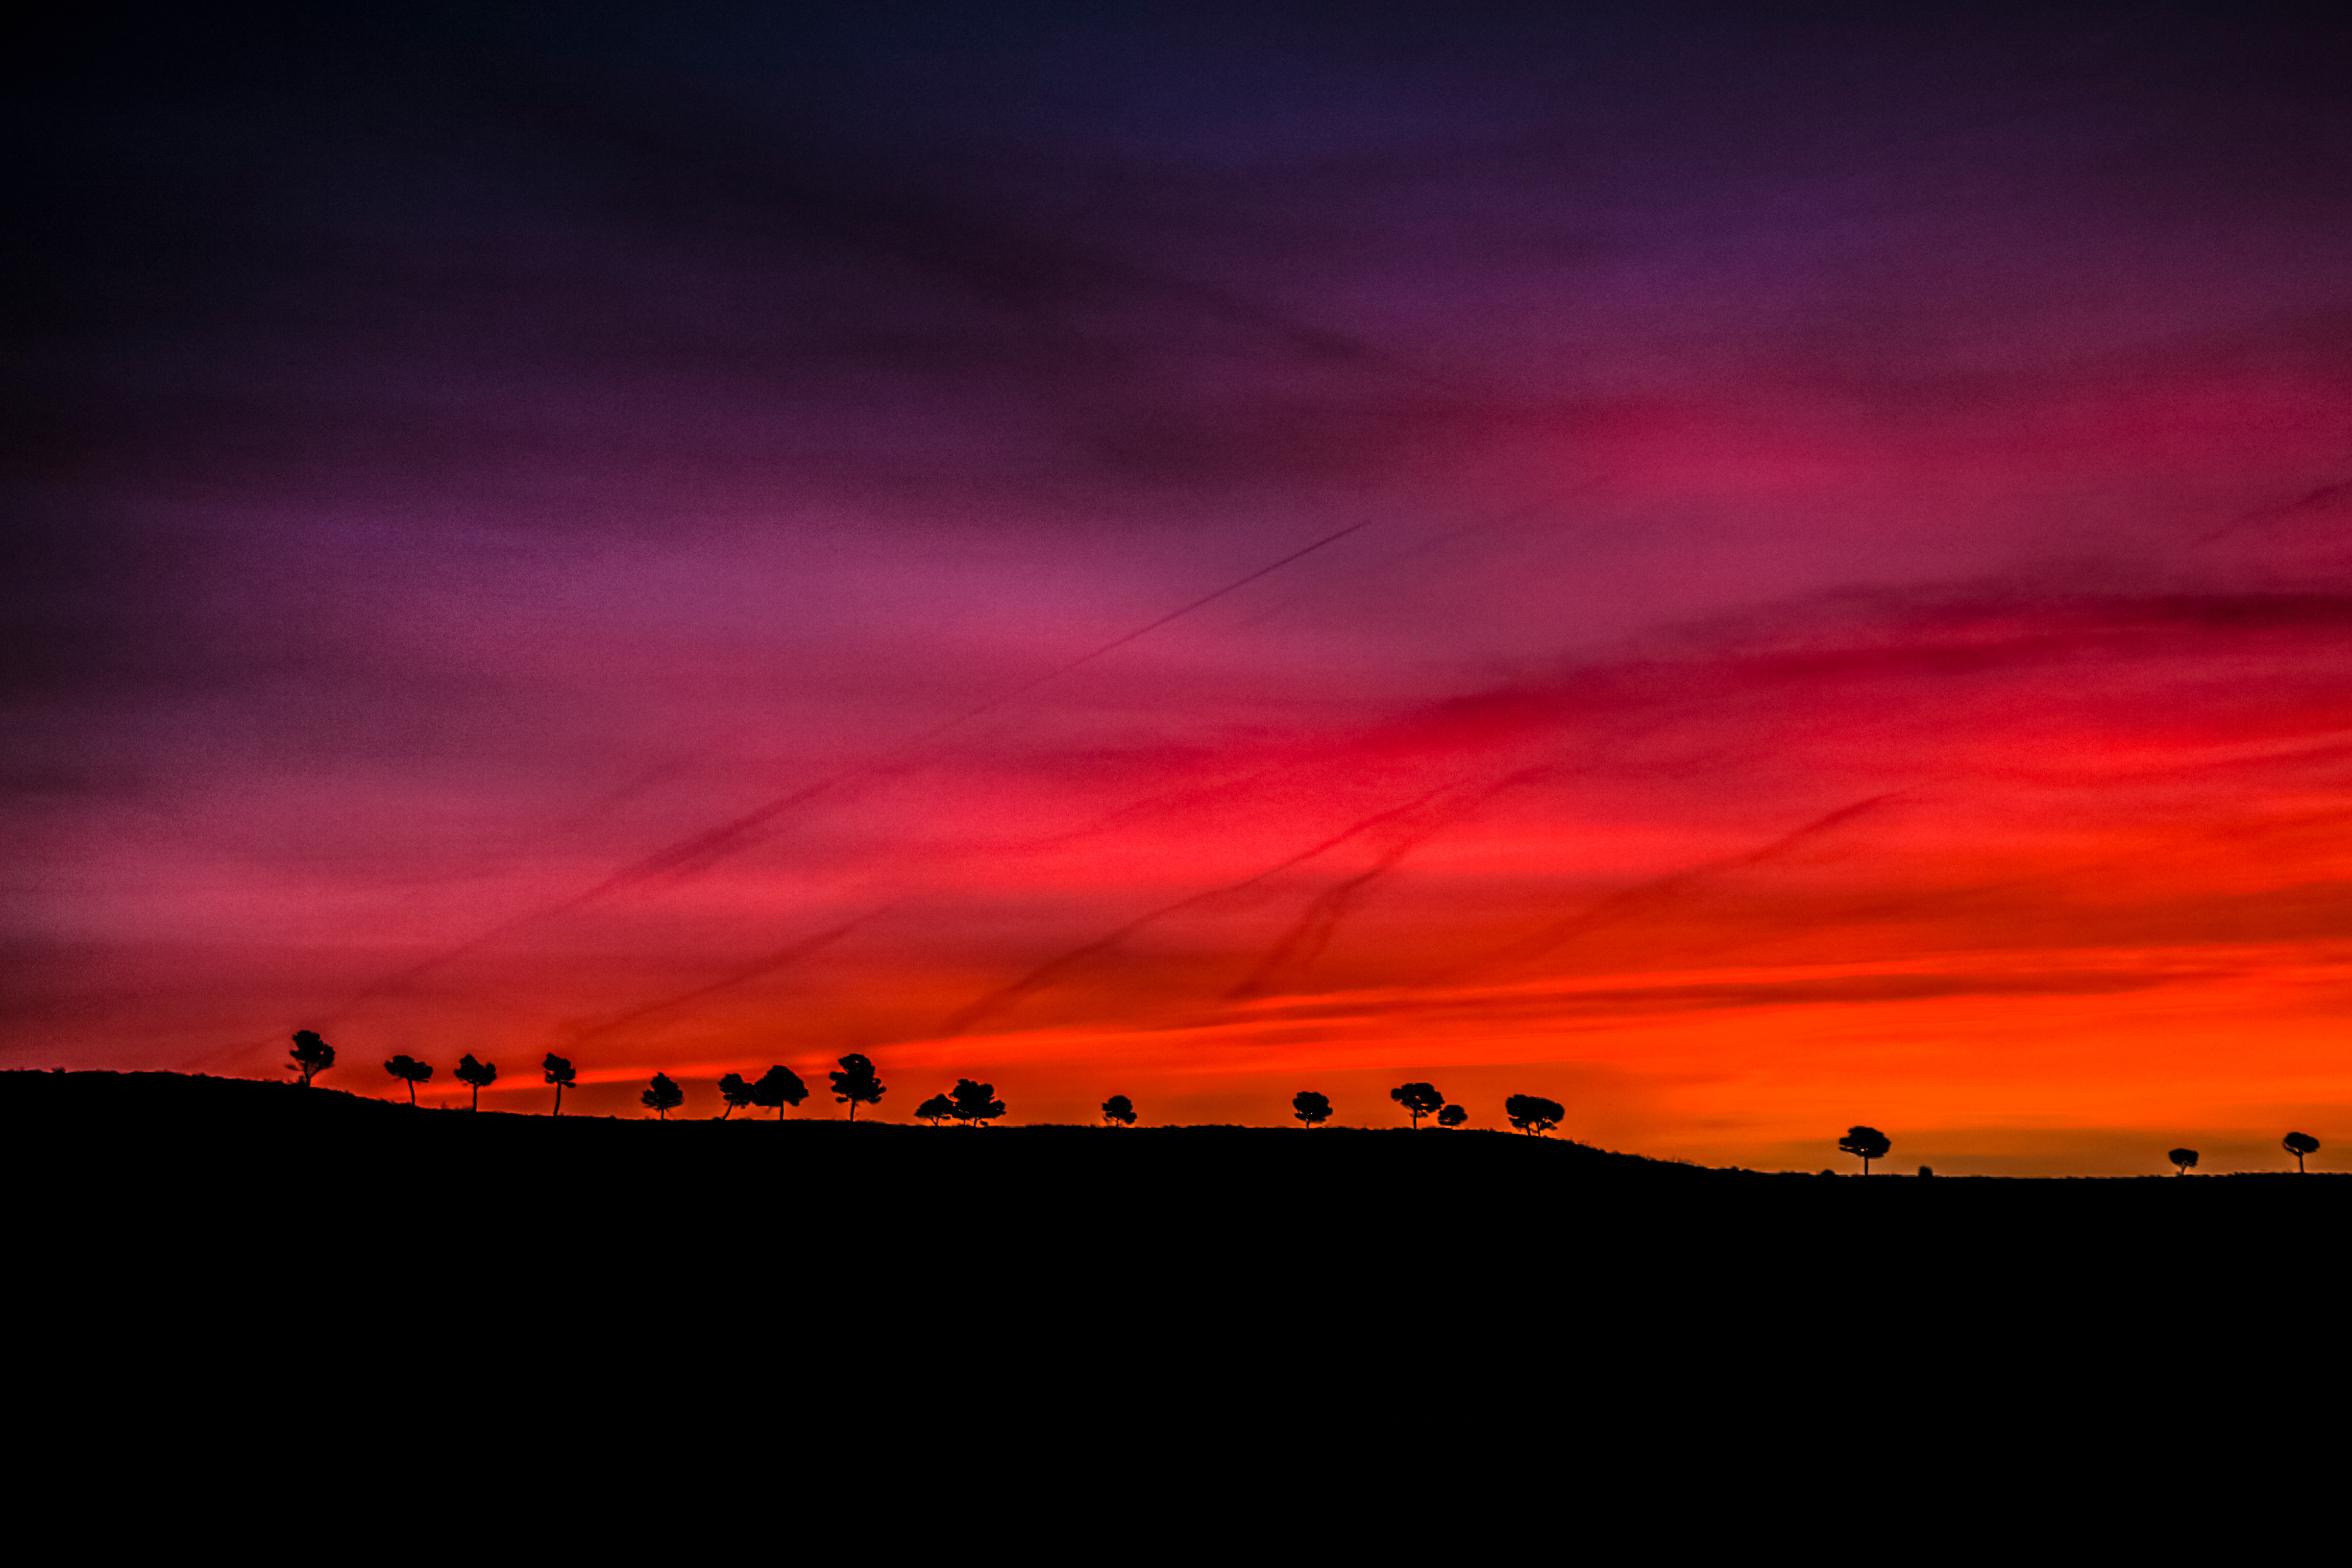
(1045, 974)
(1297, 949)
(1630, 902)
(767, 966)
(700, 850)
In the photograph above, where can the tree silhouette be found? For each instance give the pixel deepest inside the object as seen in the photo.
(478, 1075)
(409, 1070)
(559, 1073)
(856, 1085)
(1452, 1116)
(778, 1087)
(735, 1092)
(1118, 1112)
(1868, 1143)
(2299, 1144)
(663, 1096)
(2183, 1160)
(1310, 1107)
(976, 1104)
(1533, 1114)
(1419, 1100)
(935, 1109)
(312, 1055)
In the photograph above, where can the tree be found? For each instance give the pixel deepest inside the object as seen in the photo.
(1867, 1143)
(1533, 1114)
(976, 1104)
(1118, 1112)
(312, 1055)
(777, 1088)
(735, 1092)
(2299, 1144)
(479, 1075)
(662, 1096)
(2183, 1160)
(409, 1070)
(1452, 1116)
(1419, 1100)
(559, 1073)
(856, 1085)
(1310, 1107)
(935, 1109)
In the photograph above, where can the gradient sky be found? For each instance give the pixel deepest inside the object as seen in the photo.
(1748, 570)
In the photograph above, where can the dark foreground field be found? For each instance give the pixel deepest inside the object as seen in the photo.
(312, 1230)
(275, 1164)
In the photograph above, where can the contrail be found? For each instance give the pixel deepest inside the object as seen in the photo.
(1635, 900)
(767, 966)
(1046, 973)
(1304, 942)
(699, 850)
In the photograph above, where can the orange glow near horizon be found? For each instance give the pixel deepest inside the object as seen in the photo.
(1746, 578)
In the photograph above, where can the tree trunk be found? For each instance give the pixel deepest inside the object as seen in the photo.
(558, 1100)
(412, 1089)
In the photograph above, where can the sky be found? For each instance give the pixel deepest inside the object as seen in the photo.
(1748, 569)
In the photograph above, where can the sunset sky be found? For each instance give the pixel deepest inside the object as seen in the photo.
(1745, 569)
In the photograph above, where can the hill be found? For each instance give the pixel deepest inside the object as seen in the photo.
(265, 1219)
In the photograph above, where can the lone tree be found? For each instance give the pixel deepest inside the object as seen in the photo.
(477, 1076)
(1452, 1116)
(559, 1073)
(777, 1088)
(2299, 1144)
(856, 1085)
(1310, 1107)
(1533, 1114)
(1419, 1100)
(410, 1071)
(1868, 1143)
(1118, 1112)
(312, 1055)
(2183, 1160)
(935, 1109)
(975, 1104)
(735, 1092)
(663, 1096)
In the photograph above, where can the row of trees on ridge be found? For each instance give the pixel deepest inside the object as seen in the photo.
(972, 1104)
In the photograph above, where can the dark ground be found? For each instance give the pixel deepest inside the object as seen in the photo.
(300, 1238)
(281, 1170)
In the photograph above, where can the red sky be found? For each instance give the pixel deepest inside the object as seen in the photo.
(595, 545)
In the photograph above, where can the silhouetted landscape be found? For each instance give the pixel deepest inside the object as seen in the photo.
(281, 1161)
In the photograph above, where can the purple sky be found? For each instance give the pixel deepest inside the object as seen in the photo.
(464, 454)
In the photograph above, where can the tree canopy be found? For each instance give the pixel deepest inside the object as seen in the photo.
(1867, 1144)
(976, 1104)
(1533, 1114)
(662, 1095)
(735, 1092)
(1310, 1107)
(935, 1109)
(1419, 1100)
(856, 1085)
(312, 1055)
(2299, 1144)
(410, 1071)
(2183, 1160)
(477, 1076)
(1118, 1112)
(777, 1088)
(1452, 1116)
(560, 1073)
